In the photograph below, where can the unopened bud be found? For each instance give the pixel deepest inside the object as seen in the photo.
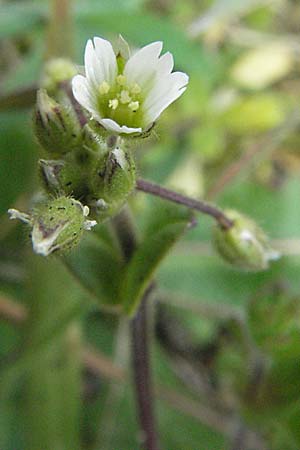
(57, 225)
(244, 244)
(113, 181)
(62, 177)
(57, 71)
(56, 126)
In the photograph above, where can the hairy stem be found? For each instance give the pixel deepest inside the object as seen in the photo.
(140, 356)
(197, 205)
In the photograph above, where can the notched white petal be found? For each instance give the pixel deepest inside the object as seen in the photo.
(93, 67)
(146, 84)
(165, 64)
(107, 58)
(142, 66)
(164, 93)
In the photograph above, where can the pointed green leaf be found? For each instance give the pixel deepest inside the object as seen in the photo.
(166, 224)
(97, 265)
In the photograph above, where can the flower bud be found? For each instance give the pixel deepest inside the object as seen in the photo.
(57, 225)
(56, 126)
(243, 245)
(57, 71)
(113, 181)
(62, 177)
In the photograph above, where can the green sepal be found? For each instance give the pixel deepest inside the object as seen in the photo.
(63, 177)
(56, 125)
(58, 225)
(112, 182)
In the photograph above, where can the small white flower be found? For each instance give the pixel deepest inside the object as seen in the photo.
(127, 96)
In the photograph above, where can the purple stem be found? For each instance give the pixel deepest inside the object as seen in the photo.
(175, 197)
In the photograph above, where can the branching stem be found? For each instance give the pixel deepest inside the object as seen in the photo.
(197, 205)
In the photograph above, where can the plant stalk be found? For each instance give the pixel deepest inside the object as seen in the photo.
(142, 374)
(175, 197)
(140, 355)
(60, 30)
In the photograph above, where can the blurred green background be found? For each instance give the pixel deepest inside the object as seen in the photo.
(226, 344)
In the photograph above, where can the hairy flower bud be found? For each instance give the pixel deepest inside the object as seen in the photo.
(62, 177)
(112, 182)
(243, 245)
(56, 125)
(57, 225)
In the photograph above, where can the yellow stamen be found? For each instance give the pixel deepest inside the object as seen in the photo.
(134, 106)
(104, 88)
(113, 104)
(125, 97)
(136, 89)
(121, 80)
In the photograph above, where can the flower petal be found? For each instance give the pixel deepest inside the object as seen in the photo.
(142, 66)
(111, 125)
(93, 67)
(165, 64)
(82, 93)
(165, 92)
(106, 58)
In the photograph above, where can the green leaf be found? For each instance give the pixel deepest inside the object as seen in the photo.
(97, 266)
(165, 226)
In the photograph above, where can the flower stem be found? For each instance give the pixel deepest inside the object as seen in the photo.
(142, 374)
(197, 205)
(140, 357)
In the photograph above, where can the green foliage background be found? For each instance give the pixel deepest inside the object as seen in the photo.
(226, 352)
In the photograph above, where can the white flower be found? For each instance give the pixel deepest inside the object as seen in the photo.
(127, 96)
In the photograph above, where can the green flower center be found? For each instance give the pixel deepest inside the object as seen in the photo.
(121, 102)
